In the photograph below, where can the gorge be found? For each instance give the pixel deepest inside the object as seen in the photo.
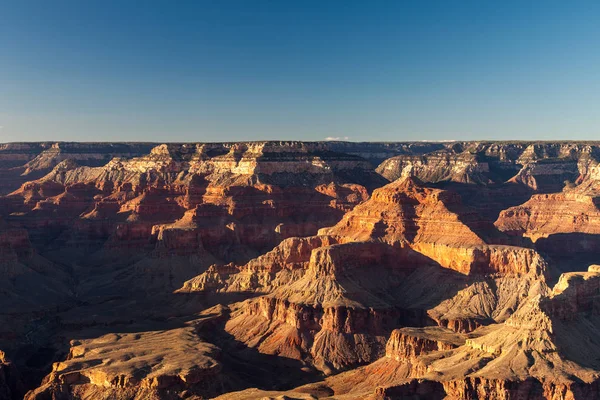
(287, 269)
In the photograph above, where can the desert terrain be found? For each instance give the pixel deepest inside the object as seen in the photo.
(300, 270)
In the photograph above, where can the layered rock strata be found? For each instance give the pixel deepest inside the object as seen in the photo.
(433, 285)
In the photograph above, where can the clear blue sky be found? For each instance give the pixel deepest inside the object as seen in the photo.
(248, 70)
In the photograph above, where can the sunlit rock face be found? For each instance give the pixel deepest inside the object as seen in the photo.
(269, 269)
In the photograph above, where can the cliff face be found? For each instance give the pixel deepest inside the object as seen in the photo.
(309, 270)
(548, 214)
(407, 344)
(563, 223)
(21, 162)
(277, 267)
(537, 353)
(464, 167)
(541, 166)
(326, 312)
(437, 225)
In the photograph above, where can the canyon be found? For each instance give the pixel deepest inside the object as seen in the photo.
(300, 270)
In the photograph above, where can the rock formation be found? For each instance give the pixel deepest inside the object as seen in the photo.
(154, 364)
(308, 270)
(565, 223)
(537, 353)
(318, 308)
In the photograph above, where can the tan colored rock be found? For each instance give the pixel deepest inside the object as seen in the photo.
(140, 365)
(407, 344)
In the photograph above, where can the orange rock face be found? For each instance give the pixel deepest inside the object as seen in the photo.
(549, 214)
(564, 224)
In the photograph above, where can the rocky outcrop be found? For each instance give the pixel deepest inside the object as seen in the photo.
(562, 224)
(408, 210)
(485, 259)
(328, 313)
(536, 344)
(485, 302)
(437, 225)
(330, 338)
(535, 354)
(282, 265)
(154, 364)
(547, 214)
(575, 292)
(406, 344)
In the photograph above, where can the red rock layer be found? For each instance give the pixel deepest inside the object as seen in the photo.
(549, 214)
(243, 195)
(436, 225)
